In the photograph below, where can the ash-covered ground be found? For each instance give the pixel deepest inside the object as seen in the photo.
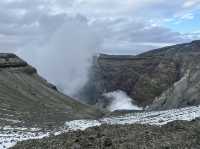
(160, 129)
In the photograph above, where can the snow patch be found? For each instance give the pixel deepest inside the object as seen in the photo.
(10, 136)
(81, 124)
(158, 118)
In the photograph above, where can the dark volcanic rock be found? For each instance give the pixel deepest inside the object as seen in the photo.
(148, 76)
(26, 99)
(175, 135)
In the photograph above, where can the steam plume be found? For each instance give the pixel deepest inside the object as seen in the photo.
(65, 57)
(120, 101)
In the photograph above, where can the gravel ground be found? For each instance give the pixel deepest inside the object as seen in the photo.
(175, 135)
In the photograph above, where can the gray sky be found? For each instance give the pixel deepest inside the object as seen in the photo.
(60, 37)
(122, 26)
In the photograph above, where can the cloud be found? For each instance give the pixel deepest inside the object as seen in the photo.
(191, 3)
(134, 8)
(124, 27)
(59, 45)
(188, 16)
(127, 34)
(23, 22)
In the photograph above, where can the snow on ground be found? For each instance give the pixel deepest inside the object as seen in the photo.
(81, 124)
(153, 118)
(9, 136)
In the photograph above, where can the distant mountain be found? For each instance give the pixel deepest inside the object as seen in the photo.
(164, 78)
(26, 99)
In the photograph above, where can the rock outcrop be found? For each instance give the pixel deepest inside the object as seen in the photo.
(159, 77)
(26, 99)
(175, 135)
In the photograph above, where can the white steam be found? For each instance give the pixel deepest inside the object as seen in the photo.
(120, 101)
(65, 56)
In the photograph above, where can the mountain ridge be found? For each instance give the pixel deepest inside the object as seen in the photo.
(147, 76)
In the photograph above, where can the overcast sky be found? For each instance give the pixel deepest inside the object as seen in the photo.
(124, 26)
(60, 37)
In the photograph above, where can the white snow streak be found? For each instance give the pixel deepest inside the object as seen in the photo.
(152, 118)
(10, 136)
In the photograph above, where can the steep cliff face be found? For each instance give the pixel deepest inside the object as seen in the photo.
(26, 99)
(185, 92)
(148, 76)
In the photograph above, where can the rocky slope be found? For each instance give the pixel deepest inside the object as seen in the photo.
(9, 136)
(164, 78)
(175, 135)
(28, 100)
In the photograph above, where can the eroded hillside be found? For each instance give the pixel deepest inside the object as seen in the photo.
(29, 100)
(151, 77)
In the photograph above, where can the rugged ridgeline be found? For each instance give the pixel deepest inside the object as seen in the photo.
(162, 79)
(26, 99)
